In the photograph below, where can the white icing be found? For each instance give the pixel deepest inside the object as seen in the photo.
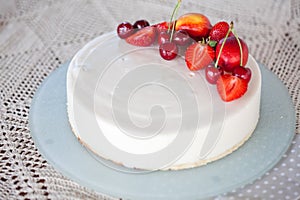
(130, 106)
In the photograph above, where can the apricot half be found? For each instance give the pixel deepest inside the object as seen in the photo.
(196, 24)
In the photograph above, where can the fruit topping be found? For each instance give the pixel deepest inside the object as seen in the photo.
(181, 38)
(231, 87)
(143, 37)
(124, 30)
(163, 26)
(217, 49)
(242, 72)
(231, 53)
(219, 31)
(213, 73)
(198, 56)
(196, 24)
(163, 37)
(168, 50)
(140, 24)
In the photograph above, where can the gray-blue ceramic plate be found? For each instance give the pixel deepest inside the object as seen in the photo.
(52, 135)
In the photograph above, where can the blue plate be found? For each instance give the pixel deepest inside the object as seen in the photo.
(52, 135)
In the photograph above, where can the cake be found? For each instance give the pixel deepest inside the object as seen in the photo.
(131, 107)
(169, 96)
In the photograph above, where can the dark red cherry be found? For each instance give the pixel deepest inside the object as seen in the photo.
(168, 50)
(163, 37)
(242, 72)
(181, 38)
(124, 30)
(140, 24)
(212, 73)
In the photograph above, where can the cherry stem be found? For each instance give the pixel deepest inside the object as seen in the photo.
(240, 45)
(223, 43)
(172, 19)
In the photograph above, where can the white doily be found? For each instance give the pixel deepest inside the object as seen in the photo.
(37, 36)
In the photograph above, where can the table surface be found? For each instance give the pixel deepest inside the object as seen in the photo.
(36, 37)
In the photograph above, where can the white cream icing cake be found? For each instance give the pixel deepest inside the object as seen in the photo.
(128, 105)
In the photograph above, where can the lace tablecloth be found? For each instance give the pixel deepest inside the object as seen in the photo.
(37, 36)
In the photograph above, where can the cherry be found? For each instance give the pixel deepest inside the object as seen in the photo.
(168, 50)
(230, 56)
(141, 24)
(124, 30)
(181, 38)
(163, 37)
(242, 72)
(212, 73)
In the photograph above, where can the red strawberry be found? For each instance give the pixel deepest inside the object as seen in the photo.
(143, 37)
(163, 26)
(219, 31)
(231, 87)
(198, 56)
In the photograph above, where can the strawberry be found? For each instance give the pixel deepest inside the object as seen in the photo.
(198, 56)
(162, 26)
(143, 37)
(219, 31)
(231, 87)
